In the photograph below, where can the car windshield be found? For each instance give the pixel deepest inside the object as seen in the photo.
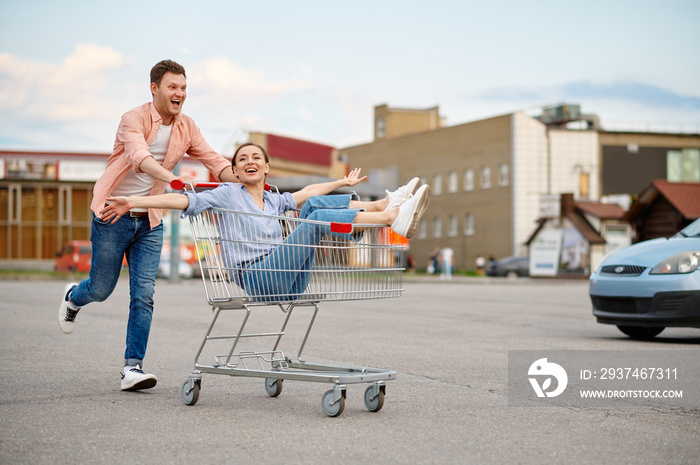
(692, 230)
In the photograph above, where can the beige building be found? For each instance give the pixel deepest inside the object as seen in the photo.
(45, 196)
(493, 179)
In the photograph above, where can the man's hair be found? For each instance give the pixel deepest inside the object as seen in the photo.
(163, 67)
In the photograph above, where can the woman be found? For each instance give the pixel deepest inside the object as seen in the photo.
(292, 258)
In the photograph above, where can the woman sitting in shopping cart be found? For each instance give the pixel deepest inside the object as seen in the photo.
(272, 265)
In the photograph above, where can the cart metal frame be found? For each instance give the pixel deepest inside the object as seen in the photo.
(350, 262)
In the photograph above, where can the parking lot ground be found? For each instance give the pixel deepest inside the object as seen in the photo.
(60, 401)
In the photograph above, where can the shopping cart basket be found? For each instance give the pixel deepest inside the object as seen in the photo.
(246, 263)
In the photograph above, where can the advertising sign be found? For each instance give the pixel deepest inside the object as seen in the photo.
(545, 251)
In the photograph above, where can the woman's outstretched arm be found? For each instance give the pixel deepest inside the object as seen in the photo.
(122, 205)
(353, 178)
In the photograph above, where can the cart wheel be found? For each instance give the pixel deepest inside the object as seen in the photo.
(376, 404)
(332, 410)
(273, 387)
(191, 397)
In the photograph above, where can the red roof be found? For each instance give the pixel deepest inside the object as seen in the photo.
(604, 211)
(684, 196)
(299, 150)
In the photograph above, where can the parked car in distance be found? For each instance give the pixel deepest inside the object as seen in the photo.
(651, 285)
(75, 256)
(510, 267)
(188, 260)
(186, 270)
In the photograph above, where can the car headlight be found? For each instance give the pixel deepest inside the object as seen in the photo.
(685, 262)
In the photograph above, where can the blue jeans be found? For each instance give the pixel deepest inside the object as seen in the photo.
(142, 246)
(294, 258)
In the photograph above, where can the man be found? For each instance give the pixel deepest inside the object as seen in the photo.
(150, 141)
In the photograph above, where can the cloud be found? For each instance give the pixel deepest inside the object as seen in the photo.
(221, 96)
(70, 91)
(76, 104)
(638, 93)
(304, 113)
(71, 103)
(634, 92)
(512, 93)
(220, 80)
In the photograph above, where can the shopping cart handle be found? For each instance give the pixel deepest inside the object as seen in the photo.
(178, 185)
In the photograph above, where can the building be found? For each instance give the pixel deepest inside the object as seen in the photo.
(491, 178)
(630, 161)
(663, 208)
(45, 196)
(574, 239)
(290, 157)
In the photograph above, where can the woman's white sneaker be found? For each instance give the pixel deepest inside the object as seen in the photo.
(411, 211)
(134, 379)
(402, 194)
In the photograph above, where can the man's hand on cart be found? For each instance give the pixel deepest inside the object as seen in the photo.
(187, 181)
(113, 211)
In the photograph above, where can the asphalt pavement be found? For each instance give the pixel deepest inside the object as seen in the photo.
(60, 401)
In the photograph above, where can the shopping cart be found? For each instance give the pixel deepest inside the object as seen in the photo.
(249, 261)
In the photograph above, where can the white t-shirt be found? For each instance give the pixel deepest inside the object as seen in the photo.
(447, 254)
(140, 184)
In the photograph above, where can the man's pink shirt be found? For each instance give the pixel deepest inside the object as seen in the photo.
(136, 131)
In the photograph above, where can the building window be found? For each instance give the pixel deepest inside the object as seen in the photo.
(452, 183)
(452, 226)
(469, 180)
(486, 177)
(437, 227)
(683, 165)
(380, 128)
(503, 175)
(437, 185)
(422, 229)
(468, 224)
(583, 185)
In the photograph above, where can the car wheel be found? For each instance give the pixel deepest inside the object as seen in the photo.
(640, 332)
(512, 274)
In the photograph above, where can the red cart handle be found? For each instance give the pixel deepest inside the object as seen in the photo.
(179, 185)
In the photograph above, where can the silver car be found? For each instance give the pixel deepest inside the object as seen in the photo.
(650, 285)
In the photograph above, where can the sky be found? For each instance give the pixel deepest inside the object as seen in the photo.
(315, 70)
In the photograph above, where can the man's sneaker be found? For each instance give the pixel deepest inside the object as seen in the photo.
(134, 379)
(400, 195)
(411, 212)
(67, 311)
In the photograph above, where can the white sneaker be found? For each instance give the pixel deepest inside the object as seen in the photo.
(135, 379)
(400, 195)
(411, 212)
(67, 311)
